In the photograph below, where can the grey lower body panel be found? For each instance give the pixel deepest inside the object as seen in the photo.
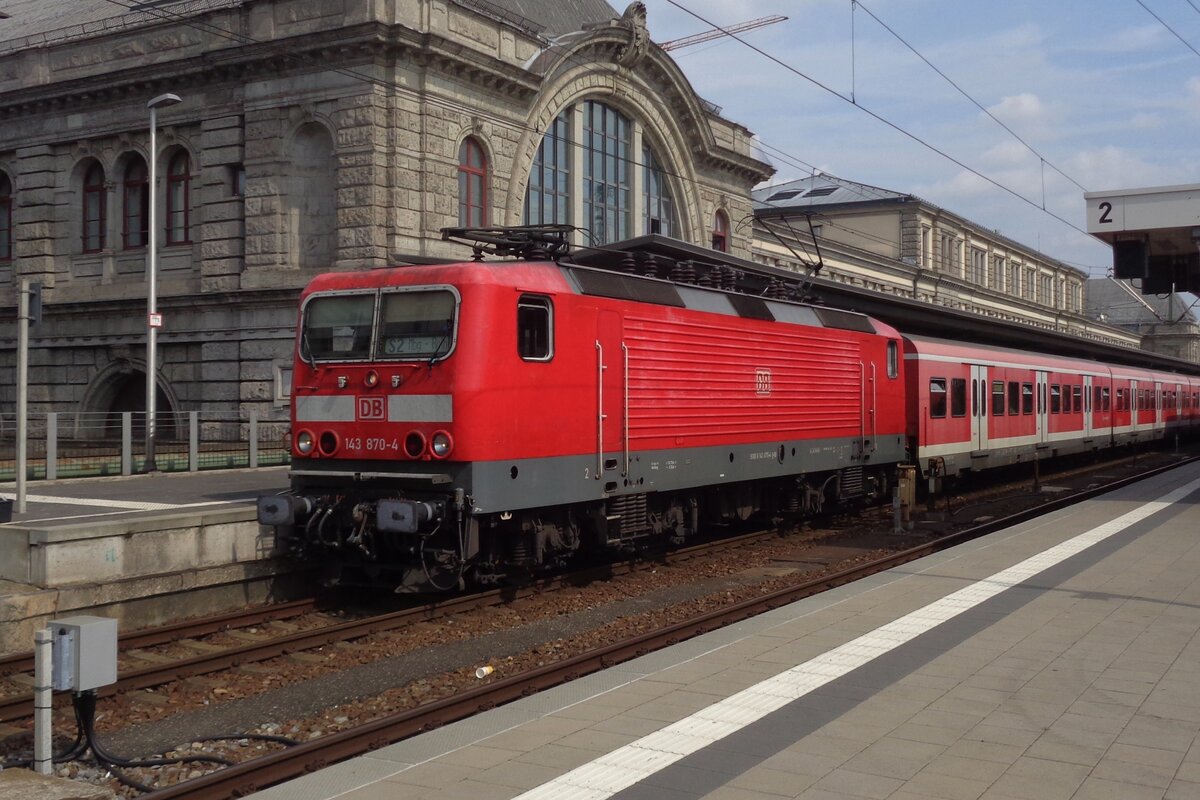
(533, 483)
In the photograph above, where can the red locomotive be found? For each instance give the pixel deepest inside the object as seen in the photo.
(473, 421)
(465, 423)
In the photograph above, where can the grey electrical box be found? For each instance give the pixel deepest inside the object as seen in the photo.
(84, 654)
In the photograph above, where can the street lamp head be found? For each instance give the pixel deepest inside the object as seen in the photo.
(164, 100)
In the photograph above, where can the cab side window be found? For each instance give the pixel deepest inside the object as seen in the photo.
(535, 328)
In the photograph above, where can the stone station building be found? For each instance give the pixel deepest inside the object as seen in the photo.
(314, 135)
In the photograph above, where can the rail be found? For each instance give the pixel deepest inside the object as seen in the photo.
(97, 444)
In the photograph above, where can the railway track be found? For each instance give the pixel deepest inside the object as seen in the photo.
(258, 773)
(209, 660)
(247, 777)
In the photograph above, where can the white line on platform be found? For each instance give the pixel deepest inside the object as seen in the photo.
(625, 766)
(124, 505)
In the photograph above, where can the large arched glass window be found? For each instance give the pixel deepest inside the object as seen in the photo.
(94, 212)
(658, 207)
(598, 170)
(136, 205)
(179, 181)
(548, 197)
(6, 228)
(720, 232)
(607, 181)
(472, 184)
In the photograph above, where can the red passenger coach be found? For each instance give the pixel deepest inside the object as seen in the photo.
(973, 407)
(470, 422)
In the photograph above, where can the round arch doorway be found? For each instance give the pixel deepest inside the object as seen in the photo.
(120, 388)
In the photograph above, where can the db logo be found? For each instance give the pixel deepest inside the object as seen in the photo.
(371, 408)
(762, 381)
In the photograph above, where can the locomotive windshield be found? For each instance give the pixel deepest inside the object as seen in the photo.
(338, 327)
(416, 324)
(412, 325)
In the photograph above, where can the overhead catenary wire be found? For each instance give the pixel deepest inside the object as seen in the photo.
(1045, 162)
(880, 118)
(1163, 22)
(168, 15)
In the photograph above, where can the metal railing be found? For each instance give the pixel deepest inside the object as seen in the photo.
(91, 445)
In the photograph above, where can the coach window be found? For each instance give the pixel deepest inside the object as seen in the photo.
(1105, 399)
(958, 397)
(997, 398)
(893, 359)
(535, 327)
(1066, 398)
(1055, 398)
(1026, 398)
(1014, 398)
(937, 397)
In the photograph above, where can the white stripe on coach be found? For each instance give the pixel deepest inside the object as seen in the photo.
(620, 769)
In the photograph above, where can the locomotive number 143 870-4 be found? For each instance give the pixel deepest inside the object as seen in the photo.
(373, 444)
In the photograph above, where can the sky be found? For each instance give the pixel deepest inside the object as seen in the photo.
(1101, 91)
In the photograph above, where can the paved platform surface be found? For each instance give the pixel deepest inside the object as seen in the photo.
(1056, 659)
(84, 500)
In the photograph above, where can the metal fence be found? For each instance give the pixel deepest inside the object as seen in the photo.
(90, 445)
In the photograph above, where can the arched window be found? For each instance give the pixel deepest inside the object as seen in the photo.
(94, 212)
(596, 169)
(472, 185)
(720, 232)
(6, 228)
(136, 205)
(179, 183)
(658, 214)
(548, 196)
(607, 182)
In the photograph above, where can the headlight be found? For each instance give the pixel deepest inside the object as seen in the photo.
(372, 379)
(441, 444)
(304, 443)
(414, 444)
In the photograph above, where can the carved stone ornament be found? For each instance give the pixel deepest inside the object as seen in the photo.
(634, 20)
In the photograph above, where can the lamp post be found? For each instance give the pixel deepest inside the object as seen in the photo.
(153, 319)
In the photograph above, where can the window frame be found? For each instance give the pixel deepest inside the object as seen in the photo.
(720, 231)
(179, 189)
(958, 397)
(938, 388)
(140, 186)
(468, 174)
(94, 189)
(893, 359)
(1027, 398)
(543, 302)
(998, 406)
(6, 226)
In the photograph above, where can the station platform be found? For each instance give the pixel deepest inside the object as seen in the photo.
(145, 549)
(1056, 659)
